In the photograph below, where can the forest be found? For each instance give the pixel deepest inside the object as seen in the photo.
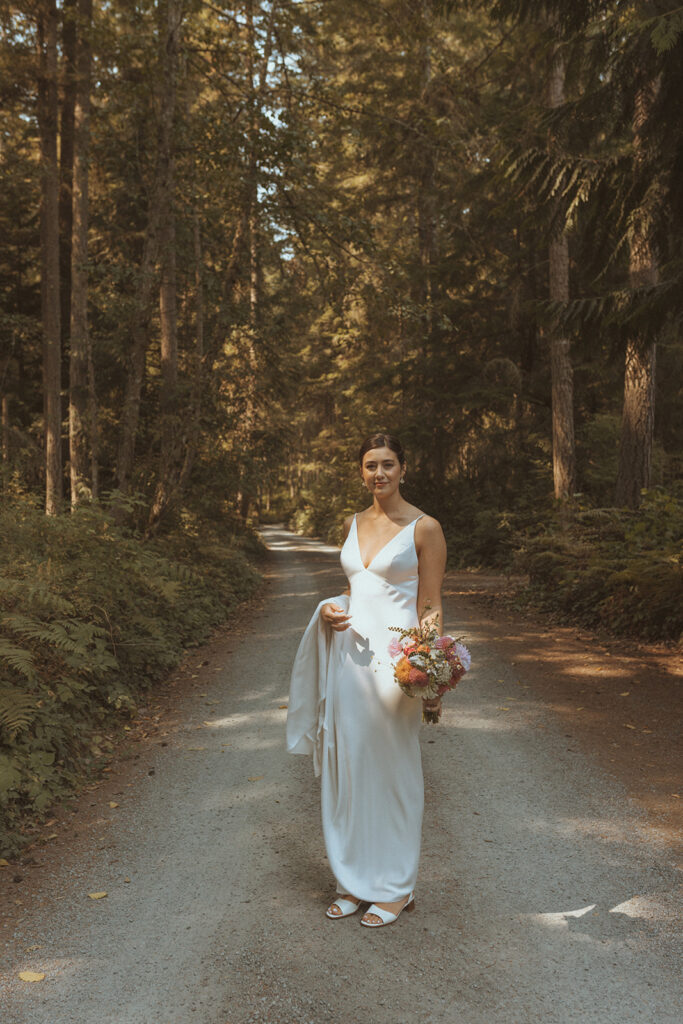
(237, 239)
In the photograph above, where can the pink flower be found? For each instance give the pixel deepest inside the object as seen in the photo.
(395, 647)
(444, 642)
(418, 678)
(464, 656)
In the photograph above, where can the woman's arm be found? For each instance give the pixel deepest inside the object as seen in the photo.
(331, 613)
(430, 544)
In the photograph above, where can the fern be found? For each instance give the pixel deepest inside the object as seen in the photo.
(16, 711)
(19, 659)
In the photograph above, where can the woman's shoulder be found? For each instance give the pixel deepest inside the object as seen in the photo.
(346, 526)
(427, 526)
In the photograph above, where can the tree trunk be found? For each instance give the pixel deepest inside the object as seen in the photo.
(168, 408)
(70, 34)
(80, 401)
(562, 378)
(5, 429)
(194, 412)
(251, 355)
(139, 334)
(49, 232)
(638, 414)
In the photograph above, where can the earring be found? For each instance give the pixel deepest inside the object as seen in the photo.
(403, 479)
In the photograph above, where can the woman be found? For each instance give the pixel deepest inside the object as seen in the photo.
(372, 789)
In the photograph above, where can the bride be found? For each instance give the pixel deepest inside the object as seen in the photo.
(361, 728)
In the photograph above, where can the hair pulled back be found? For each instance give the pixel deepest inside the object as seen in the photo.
(382, 441)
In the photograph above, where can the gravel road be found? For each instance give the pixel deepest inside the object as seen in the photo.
(541, 897)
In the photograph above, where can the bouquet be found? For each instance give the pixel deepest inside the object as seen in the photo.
(429, 664)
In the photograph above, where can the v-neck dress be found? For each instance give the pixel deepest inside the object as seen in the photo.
(372, 785)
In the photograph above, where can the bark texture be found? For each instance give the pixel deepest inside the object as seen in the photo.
(80, 399)
(169, 468)
(562, 377)
(638, 414)
(49, 231)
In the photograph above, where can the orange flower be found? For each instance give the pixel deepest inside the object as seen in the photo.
(402, 670)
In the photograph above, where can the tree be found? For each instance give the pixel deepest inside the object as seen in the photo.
(564, 465)
(47, 20)
(637, 424)
(82, 415)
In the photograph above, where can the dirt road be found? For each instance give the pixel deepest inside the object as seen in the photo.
(542, 897)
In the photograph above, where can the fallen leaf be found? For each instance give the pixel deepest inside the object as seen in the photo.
(195, 748)
(627, 726)
(32, 949)
(254, 778)
(501, 707)
(580, 708)
(625, 693)
(53, 836)
(113, 803)
(282, 706)
(4, 863)
(52, 821)
(676, 796)
(126, 879)
(97, 895)
(31, 975)
(647, 730)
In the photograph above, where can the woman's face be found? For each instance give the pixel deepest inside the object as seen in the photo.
(381, 471)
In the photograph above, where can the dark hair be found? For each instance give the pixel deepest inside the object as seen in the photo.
(382, 441)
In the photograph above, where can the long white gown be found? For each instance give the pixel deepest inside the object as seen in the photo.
(369, 753)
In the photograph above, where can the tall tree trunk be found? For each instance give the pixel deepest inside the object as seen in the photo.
(251, 354)
(638, 414)
(70, 34)
(4, 415)
(139, 336)
(168, 408)
(49, 232)
(194, 411)
(80, 400)
(562, 377)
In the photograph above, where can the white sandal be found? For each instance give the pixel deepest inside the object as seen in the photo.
(347, 908)
(386, 916)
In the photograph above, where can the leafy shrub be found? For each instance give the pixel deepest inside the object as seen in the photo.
(91, 617)
(614, 568)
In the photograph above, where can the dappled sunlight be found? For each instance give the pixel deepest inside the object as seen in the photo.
(463, 719)
(65, 967)
(559, 919)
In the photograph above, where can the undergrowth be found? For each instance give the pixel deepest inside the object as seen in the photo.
(612, 568)
(91, 616)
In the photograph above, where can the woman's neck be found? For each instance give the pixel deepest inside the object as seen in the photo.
(390, 508)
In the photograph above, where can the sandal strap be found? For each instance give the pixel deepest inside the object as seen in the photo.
(346, 906)
(385, 916)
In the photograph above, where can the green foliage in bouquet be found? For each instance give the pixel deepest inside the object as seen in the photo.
(90, 617)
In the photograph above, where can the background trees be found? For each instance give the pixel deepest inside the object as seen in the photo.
(289, 224)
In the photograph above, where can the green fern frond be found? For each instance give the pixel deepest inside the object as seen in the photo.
(19, 659)
(16, 711)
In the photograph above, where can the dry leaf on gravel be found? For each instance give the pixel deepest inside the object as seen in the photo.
(97, 895)
(31, 975)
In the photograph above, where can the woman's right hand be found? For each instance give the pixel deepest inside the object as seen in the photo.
(335, 617)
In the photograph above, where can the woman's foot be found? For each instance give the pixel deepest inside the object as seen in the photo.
(394, 908)
(343, 906)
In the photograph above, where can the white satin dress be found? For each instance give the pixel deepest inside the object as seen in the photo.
(371, 766)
